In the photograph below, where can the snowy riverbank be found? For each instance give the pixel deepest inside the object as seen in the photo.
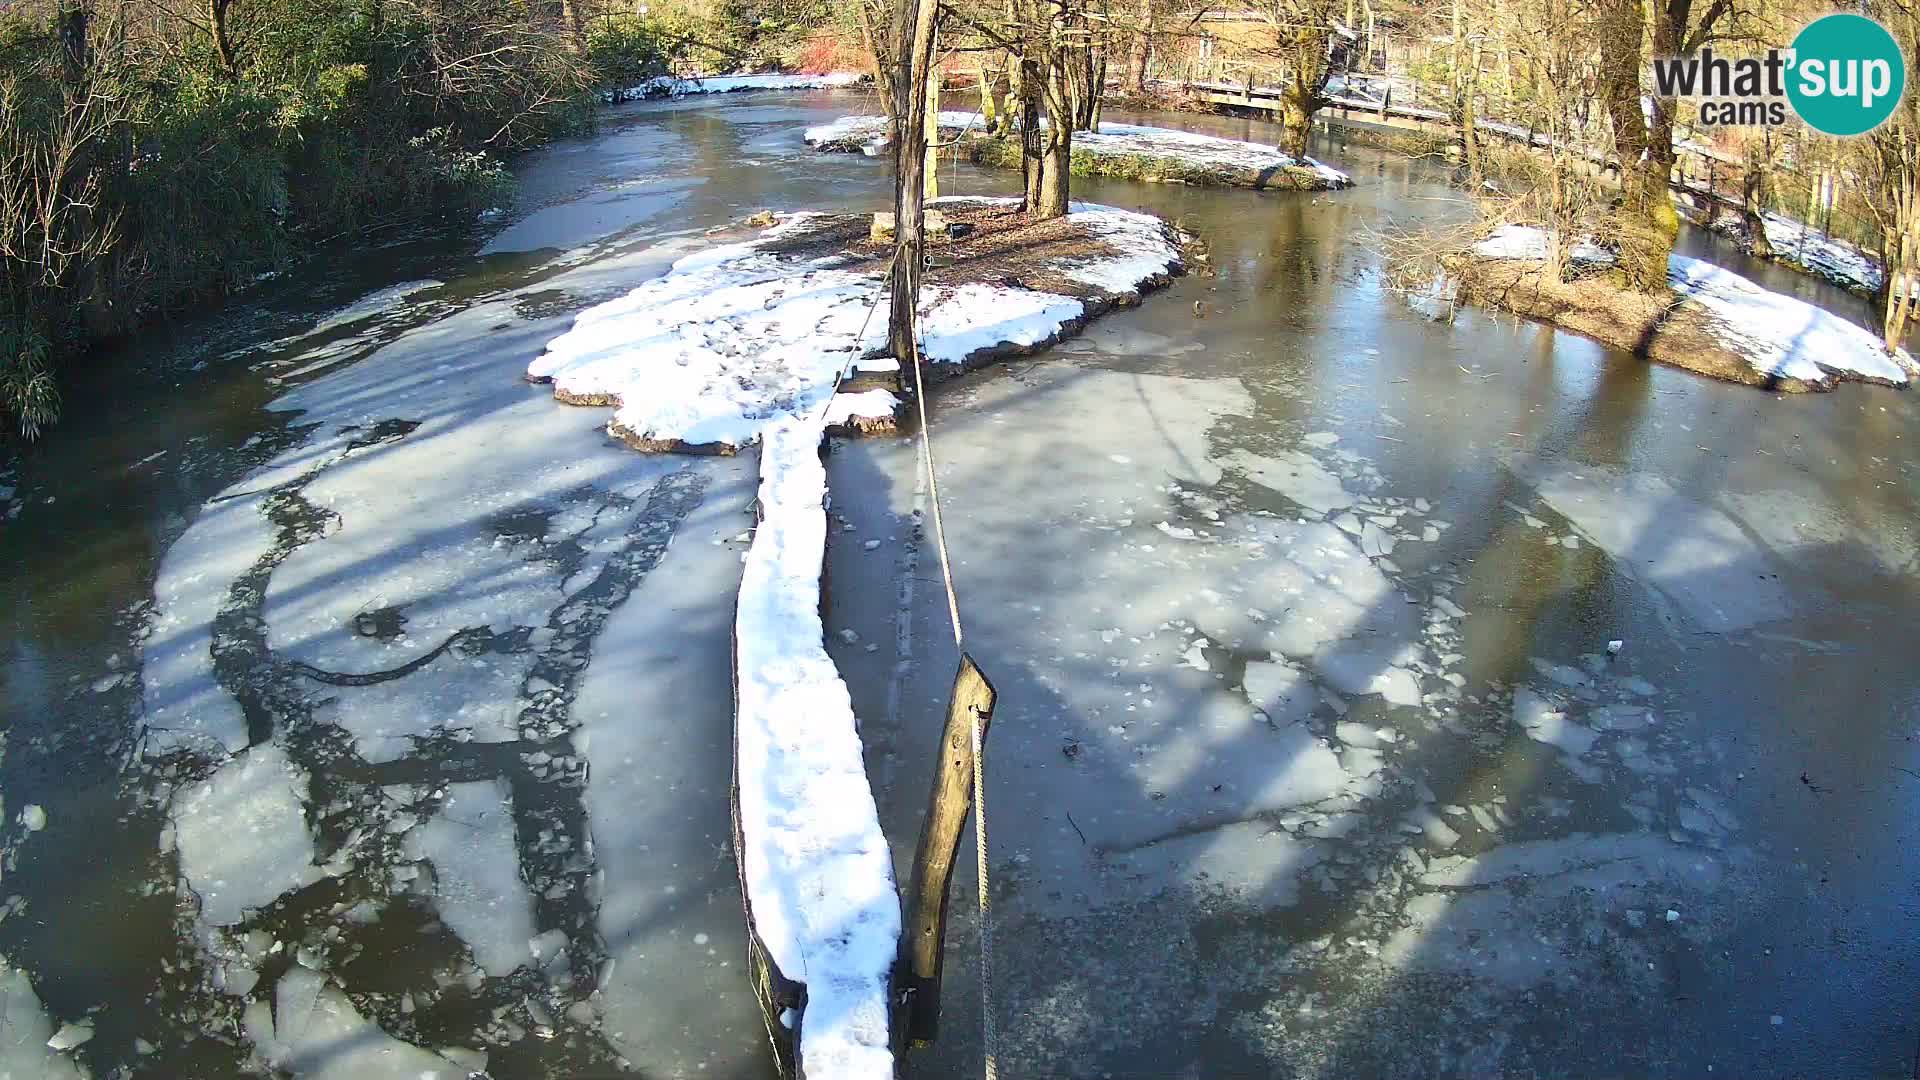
(1716, 322)
(682, 86)
(1800, 247)
(1129, 151)
(748, 342)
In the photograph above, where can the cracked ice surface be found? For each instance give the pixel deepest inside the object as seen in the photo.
(358, 666)
(1236, 685)
(311, 1029)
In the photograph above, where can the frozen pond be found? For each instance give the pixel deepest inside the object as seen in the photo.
(366, 713)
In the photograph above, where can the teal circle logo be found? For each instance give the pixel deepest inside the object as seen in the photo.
(1847, 75)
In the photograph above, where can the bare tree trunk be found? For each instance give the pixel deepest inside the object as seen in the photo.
(1900, 265)
(881, 53)
(1057, 141)
(1753, 198)
(575, 24)
(989, 105)
(1296, 119)
(1032, 148)
(1142, 51)
(932, 106)
(222, 36)
(913, 56)
(1645, 220)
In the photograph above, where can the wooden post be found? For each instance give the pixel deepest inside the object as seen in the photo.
(917, 975)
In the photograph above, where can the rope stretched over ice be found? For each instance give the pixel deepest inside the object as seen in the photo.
(989, 1055)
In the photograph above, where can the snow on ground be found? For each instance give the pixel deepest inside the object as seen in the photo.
(1785, 337)
(1530, 242)
(737, 336)
(870, 134)
(818, 872)
(1779, 335)
(1796, 242)
(678, 86)
(1121, 140)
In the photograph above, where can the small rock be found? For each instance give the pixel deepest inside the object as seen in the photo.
(850, 636)
(1614, 647)
(871, 545)
(1776, 1019)
(1672, 915)
(762, 220)
(33, 817)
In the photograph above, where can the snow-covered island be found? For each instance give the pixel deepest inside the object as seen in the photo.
(1713, 321)
(1127, 151)
(775, 340)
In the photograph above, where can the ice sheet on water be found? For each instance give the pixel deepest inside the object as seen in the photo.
(1297, 475)
(185, 706)
(311, 1031)
(242, 834)
(656, 724)
(1694, 554)
(378, 302)
(1543, 720)
(24, 1031)
(476, 872)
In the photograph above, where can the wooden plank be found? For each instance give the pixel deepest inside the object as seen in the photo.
(923, 940)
